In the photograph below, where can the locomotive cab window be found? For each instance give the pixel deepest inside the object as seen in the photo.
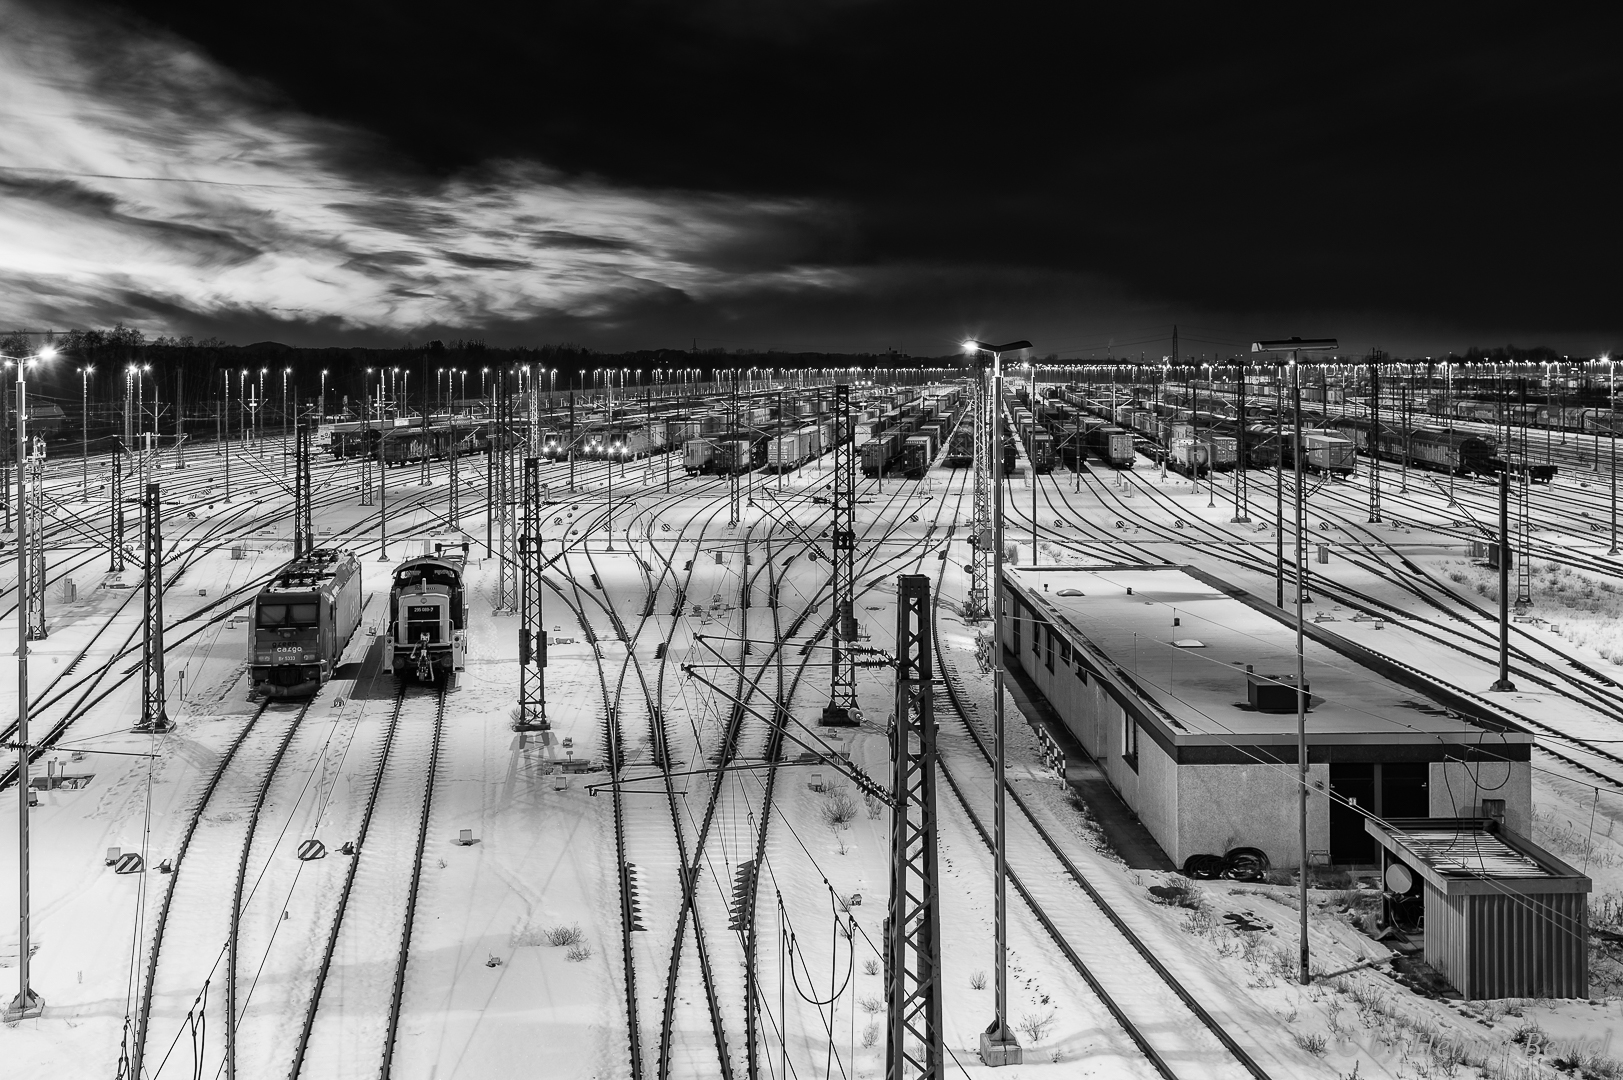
(280, 616)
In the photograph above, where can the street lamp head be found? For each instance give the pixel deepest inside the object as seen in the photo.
(48, 352)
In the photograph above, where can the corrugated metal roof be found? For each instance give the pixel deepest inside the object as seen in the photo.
(1468, 852)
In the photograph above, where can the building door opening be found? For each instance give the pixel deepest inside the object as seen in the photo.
(1351, 783)
(1403, 789)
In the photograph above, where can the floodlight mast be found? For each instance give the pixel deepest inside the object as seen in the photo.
(1296, 346)
(998, 1046)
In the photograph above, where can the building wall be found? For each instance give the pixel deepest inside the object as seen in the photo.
(1509, 944)
(1457, 788)
(1229, 806)
(1207, 809)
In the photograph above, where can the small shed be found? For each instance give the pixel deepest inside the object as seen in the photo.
(1504, 917)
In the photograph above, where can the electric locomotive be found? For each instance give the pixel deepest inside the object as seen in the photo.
(302, 621)
(428, 617)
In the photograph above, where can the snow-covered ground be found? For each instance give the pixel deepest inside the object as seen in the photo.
(484, 992)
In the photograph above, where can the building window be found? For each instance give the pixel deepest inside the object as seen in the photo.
(1129, 740)
(1065, 651)
(1050, 650)
(1036, 636)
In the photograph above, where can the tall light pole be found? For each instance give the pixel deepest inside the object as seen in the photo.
(321, 415)
(226, 429)
(27, 1003)
(84, 432)
(259, 414)
(285, 373)
(1612, 432)
(1296, 346)
(998, 1045)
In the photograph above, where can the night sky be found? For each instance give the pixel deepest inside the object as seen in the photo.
(845, 176)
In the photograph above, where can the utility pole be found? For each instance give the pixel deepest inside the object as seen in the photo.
(383, 505)
(1242, 455)
(532, 638)
(913, 1040)
(154, 715)
(1503, 683)
(1296, 346)
(423, 471)
(368, 447)
(180, 423)
(303, 534)
(842, 705)
(998, 1046)
(454, 501)
(27, 1003)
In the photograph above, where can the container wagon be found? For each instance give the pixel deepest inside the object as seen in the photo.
(1111, 445)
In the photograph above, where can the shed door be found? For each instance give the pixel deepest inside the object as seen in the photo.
(1351, 782)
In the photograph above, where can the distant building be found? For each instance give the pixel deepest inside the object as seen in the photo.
(1183, 690)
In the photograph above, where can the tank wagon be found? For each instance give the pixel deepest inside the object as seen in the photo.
(428, 617)
(302, 620)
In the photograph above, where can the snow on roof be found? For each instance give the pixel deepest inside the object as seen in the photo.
(1137, 621)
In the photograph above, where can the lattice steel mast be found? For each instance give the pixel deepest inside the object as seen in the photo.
(1373, 439)
(532, 638)
(735, 471)
(31, 515)
(304, 537)
(154, 716)
(977, 606)
(913, 1039)
(503, 454)
(115, 527)
(842, 703)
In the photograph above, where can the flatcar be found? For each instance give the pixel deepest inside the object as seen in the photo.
(302, 620)
(428, 617)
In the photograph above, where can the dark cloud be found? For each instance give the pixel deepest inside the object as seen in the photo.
(836, 170)
(486, 262)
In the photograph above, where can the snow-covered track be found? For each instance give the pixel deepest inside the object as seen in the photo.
(218, 837)
(353, 1015)
(1176, 1033)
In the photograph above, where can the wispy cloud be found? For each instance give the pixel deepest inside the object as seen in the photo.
(141, 181)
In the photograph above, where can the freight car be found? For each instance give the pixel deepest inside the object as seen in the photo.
(428, 617)
(961, 447)
(1111, 445)
(1431, 448)
(1189, 456)
(404, 445)
(1042, 452)
(1322, 452)
(354, 439)
(302, 620)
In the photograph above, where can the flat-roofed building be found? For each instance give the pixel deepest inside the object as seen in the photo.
(1182, 689)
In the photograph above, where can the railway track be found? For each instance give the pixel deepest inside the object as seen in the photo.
(1165, 1020)
(218, 838)
(353, 1016)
